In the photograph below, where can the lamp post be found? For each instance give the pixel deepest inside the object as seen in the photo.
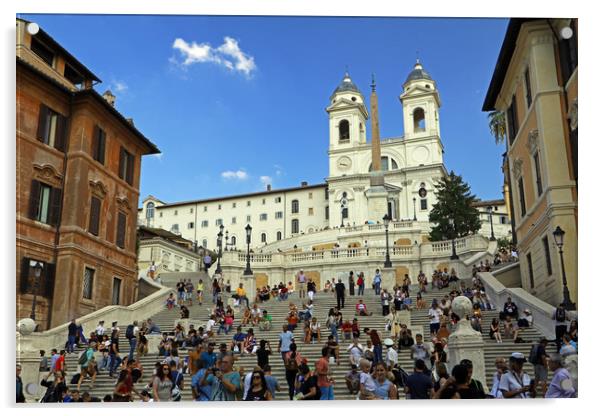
(490, 211)
(248, 271)
(37, 271)
(218, 269)
(386, 220)
(566, 296)
(414, 199)
(454, 256)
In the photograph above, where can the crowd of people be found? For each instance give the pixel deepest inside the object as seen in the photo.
(369, 354)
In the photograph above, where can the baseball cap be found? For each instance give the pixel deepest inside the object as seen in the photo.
(518, 356)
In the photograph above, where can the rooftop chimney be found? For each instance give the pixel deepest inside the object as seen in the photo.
(269, 187)
(303, 184)
(130, 120)
(108, 95)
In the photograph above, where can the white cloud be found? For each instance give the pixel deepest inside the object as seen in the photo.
(238, 175)
(278, 170)
(228, 55)
(120, 86)
(266, 180)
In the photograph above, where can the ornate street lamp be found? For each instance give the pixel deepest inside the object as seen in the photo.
(454, 256)
(490, 211)
(37, 272)
(386, 220)
(248, 271)
(566, 296)
(218, 269)
(414, 199)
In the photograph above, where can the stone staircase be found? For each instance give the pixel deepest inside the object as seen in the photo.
(322, 303)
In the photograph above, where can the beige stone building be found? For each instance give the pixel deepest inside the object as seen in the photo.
(535, 84)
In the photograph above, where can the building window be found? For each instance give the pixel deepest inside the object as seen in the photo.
(233, 204)
(126, 166)
(311, 195)
(150, 210)
(99, 139)
(345, 212)
(175, 213)
(423, 204)
(121, 226)
(160, 215)
(326, 194)
(190, 225)
(94, 223)
(310, 211)
(419, 120)
(295, 226)
(343, 131)
(279, 235)
(278, 199)
(51, 128)
(503, 219)
(219, 222)
(116, 298)
(42, 51)
(537, 173)
(204, 224)
(175, 229)
(45, 283)
(263, 201)
(326, 213)
(88, 283)
(204, 209)
(219, 206)
(530, 267)
(44, 203)
(205, 242)
(279, 215)
(295, 206)
(521, 197)
(233, 220)
(512, 120)
(546, 249)
(263, 237)
(248, 203)
(233, 240)
(528, 88)
(263, 217)
(568, 55)
(191, 210)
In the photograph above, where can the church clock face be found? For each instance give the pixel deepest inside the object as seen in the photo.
(344, 163)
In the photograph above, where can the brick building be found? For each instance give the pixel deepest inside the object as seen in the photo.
(78, 177)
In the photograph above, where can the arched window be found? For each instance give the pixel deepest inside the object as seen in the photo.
(386, 163)
(295, 206)
(345, 212)
(394, 164)
(279, 235)
(205, 242)
(419, 122)
(264, 237)
(344, 131)
(295, 226)
(233, 240)
(150, 210)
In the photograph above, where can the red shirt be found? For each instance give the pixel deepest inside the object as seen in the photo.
(60, 363)
(322, 371)
(347, 327)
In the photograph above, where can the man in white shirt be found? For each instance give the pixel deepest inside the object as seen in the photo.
(435, 316)
(516, 384)
(501, 369)
(301, 281)
(209, 326)
(356, 351)
(392, 358)
(100, 329)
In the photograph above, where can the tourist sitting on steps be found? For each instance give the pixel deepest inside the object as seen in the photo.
(361, 309)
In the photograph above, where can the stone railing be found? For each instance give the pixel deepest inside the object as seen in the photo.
(254, 257)
(56, 337)
(542, 312)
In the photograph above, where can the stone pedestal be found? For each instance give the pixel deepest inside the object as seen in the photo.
(466, 343)
(377, 203)
(30, 375)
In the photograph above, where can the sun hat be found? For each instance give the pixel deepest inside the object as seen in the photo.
(388, 342)
(518, 357)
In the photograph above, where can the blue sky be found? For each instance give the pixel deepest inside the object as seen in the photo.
(236, 102)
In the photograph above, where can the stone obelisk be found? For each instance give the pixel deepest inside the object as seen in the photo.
(376, 193)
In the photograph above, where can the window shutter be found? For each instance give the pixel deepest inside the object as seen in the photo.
(101, 146)
(130, 169)
(42, 122)
(55, 206)
(94, 216)
(49, 280)
(34, 199)
(61, 133)
(95, 143)
(25, 275)
(121, 223)
(121, 163)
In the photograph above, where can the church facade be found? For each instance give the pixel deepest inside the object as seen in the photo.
(394, 176)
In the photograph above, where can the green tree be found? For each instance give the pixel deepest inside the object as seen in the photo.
(454, 201)
(497, 126)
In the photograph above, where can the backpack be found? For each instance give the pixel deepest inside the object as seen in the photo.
(560, 315)
(533, 354)
(129, 332)
(291, 364)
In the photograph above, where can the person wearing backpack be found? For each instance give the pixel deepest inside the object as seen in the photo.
(292, 361)
(131, 333)
(308, 389)
(539, 358)
(560, 318)
(87, 365)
